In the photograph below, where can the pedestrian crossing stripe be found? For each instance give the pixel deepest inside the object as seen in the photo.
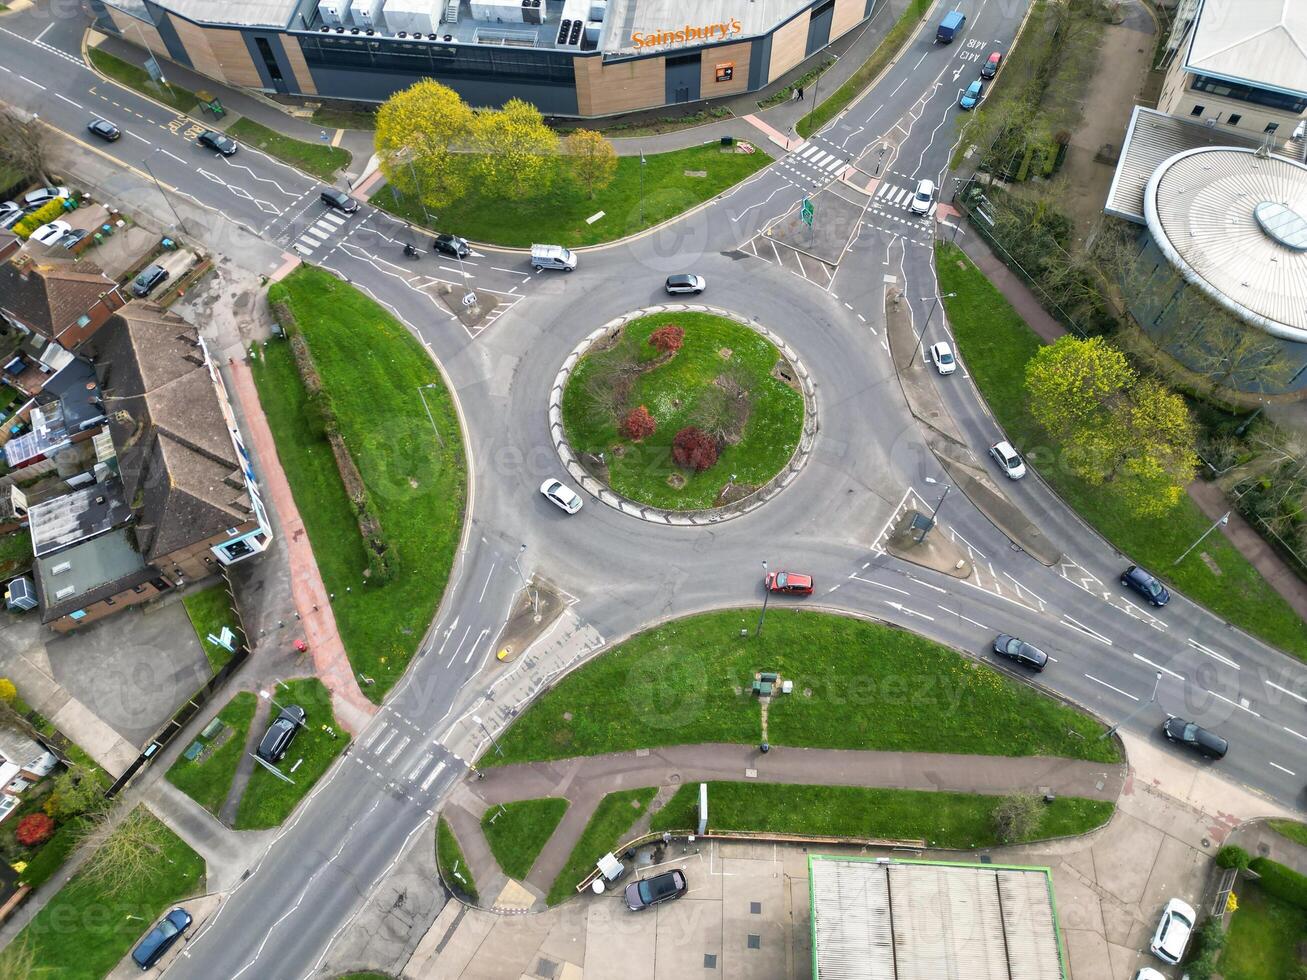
(335, 219)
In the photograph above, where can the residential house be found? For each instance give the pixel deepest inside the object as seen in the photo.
(23, 761)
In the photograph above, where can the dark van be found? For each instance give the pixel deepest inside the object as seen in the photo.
(161, 938)
(949, 26)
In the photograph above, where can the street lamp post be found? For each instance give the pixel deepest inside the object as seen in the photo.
(1152, 698)
(535, 593)
(171, 207)
(477, 719)
(766, 592)
(939, 503)
(921, 333)
(1221, 521)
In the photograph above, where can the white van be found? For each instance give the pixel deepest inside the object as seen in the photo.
(552, 257)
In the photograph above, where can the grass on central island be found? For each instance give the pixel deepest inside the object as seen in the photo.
(208, 781)
(671, 391)
(609, 823)
(516, 832)
(857, 685)
(453, 866)
(673, 183)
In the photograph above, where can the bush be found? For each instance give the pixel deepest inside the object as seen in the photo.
(668, 339)
(694, 449)
(47, 212)
(1284, 883)
(33, 829)
(1017, 817)
(1204, 950)
(638, 424)
(1232, 856)
(7, 691)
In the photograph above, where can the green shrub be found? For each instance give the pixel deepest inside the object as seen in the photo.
(1232, 856)
(1204, 950)
(48, 212)
(1284, 883)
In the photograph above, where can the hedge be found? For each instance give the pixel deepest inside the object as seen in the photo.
(1282, 882)
(42, 215)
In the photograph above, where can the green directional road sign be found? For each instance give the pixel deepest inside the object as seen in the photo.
(806, 212)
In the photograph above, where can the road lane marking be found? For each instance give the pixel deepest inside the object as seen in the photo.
(1286, 691)
(927, 585)
(1076, 624)
(475, 643)
(1213, 654)
(382, 747)
(954, 612)
(394, 753)
(426, 783)
(1237, 704)
(367, 743)
(488, 576)
(419, 766)
(66, 99)
(1292, 732)
(30, 82)
(1164, 670)
(141, 138)
(906, 611)
(1282, 769)
(880, 585)
(1111, 688)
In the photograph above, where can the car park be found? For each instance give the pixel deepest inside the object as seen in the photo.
(1008, 460)
(990, 68)
(923, 197)
(218, 142)
(276, 740)
(1149, 588)
(971, 97)
(51, 232)
(104, 129)
(941, 355)
(1173, 932)
(451, 245)
(41, 197)
(1020, 652)
(685, 283)
(333, 197)
(161, 938)
(561, 495)
(790, 583)
(149, 278)
(1195, 737)
(656, 889)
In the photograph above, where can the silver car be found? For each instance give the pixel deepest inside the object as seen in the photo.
(1008, 459)
(685, 283)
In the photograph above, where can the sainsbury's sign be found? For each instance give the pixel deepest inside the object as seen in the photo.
(707, 32)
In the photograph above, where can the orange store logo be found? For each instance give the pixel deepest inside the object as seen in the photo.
(708, 32)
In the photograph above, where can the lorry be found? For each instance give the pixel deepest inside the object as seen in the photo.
(552, 257)
(949, 26)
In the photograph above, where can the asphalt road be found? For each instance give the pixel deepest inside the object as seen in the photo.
(869, 459)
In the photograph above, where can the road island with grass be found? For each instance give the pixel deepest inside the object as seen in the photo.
(517, 832)
(685, 411)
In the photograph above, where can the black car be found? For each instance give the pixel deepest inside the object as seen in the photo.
(1152, 591)
(1195, 737)
(652, 891)
(161, 938)
(1019, 651)
(281, 733)
(451, 245)
(217, 141)
(104, 129)
(339, 200)
(144, 284)
(73, 237)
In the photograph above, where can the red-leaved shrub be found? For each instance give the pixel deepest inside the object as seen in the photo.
(638, 424)
(33, 829)
(668, 339)
(693, 448)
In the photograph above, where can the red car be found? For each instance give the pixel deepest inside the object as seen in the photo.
(990, 68)
(791, 583)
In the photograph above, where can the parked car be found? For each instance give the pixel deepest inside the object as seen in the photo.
(1008, 460)
(150, 277)
(1021, 652)
(990, 68)
(656, 889)
(43, 196)
(1153, 591)
(51, 232)
(218, 142)
(1148, 973)
(451, 245)
(161, 938)
(104, 129)
(73, 237)
(10, 214)
(923, 197)
(685, 283)
(561, 495)
(1173, 932)
(277, 739)
(941, 355)
(333, 197)
(791, 583)
(1195, 736)
(971, 97)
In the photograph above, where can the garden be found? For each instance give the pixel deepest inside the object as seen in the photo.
(684, 411)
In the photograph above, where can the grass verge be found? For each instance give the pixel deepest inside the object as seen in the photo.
(320, 159)
(953, 820)
(267, 800)
(15, 552)
(612, 818)
(671, 186)
(885, 52)
(516, 832)
(381, 385)
(139, 79)
(453, 866)
(207, 782)
(872, 687)
(87, 926)
(674, 392)
(344, 119)
(1262, 941)
(1290, 829)
(209, 611)
(995, 343)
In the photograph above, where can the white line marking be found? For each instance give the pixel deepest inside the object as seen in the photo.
(1164, 670)
(488, 576)
(1076, 624)
(431, 778)
(1292, 732)
(880, 585)
(473, 648)
(394, 753)
(367, 744)
(954, 612)
(382, 747)
(64, 97)
(1230, 701)
(421, 764)
(1111, 688)
(1282, 769)
(1213, 654)
(1285, 690)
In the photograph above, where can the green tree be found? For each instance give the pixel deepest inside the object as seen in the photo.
(593, 159)
(1069, 382)
(1017, 817)
(76, 790)
(418, 133)
(516, 151)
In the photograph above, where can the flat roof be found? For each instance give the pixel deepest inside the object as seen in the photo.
(245, 13)
(1259, 41)
(638, 26)
(1226, 218)
(87, 572)
(76, 516)
(882, 919)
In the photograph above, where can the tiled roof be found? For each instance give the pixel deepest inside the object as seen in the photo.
(50, 294)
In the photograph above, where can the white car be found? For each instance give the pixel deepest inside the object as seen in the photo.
(10, 214)
(1148, 973)
(1008, 459)
(38, 198)
(1173, 932)
(51, 233)
(923, 198)
(560, 494)
(685, 283)
(941, 355)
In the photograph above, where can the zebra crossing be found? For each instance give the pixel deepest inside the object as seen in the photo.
(891, 197)
(405, 758)
(814, 163)
(314, 236)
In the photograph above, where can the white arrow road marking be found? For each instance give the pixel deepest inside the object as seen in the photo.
(906, 611)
